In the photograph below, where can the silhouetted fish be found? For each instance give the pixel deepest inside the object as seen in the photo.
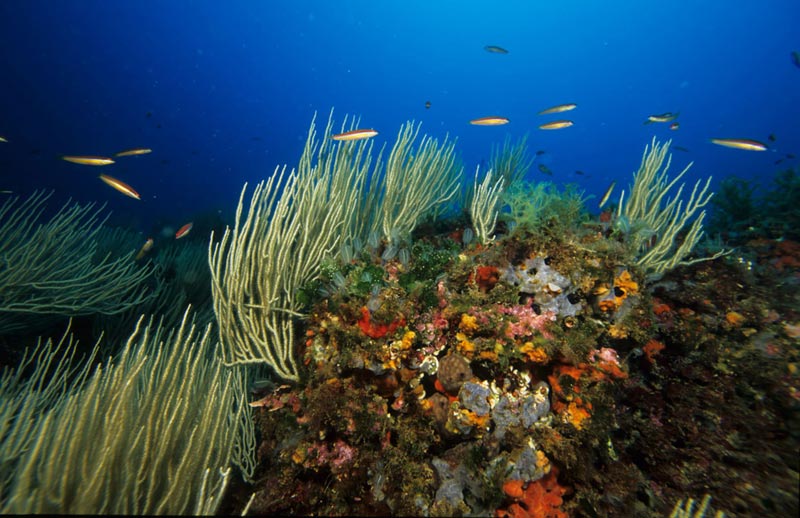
(494, 49)
(662, 117)
(134, 151)
(558, 109)
(796, 58)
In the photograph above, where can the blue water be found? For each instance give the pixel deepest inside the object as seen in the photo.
(225, 91)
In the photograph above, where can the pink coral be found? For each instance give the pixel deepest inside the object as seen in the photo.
(431, 328)
(339, 457)
(605, 354)
(528, 322)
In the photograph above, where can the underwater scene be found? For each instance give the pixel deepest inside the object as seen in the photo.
(501, 259)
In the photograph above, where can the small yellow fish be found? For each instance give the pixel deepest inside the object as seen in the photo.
(664, 117)
(558, 109)
(556, 125)
(489, 121)
(607, 195)
(121, 186)
(88, 160)
(356, 134)
(145, 248)
(740, 143)
(134, 151)
(544, 169)
(494, 49)
(3, 139)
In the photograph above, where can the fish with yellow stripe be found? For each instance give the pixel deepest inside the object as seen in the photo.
(492, 120)
(740, 143)
(356, 134)
(88, 160)
(121, 186)
(134, 151)
(556, 125)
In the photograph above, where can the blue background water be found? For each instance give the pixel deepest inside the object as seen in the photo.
(225, 91)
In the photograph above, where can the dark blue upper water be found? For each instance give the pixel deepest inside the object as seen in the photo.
(224, 91)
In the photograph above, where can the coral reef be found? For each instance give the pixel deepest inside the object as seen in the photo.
(537, 376)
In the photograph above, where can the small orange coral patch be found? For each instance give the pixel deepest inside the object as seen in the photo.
(577, 412)
(734, 318)
(373, 330)
(612, 298)
(652, 349)
(513, 489)
(541, 499)
(626, 282)
(486, 277)
(661, 308)
(533, 353)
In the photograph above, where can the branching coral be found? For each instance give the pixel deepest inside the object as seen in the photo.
(141, 435)
(49, 268)
(413, 183)
(652, 228)
(293, 223)
(484, 206)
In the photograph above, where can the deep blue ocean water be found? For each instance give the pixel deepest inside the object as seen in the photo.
(222, 92)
